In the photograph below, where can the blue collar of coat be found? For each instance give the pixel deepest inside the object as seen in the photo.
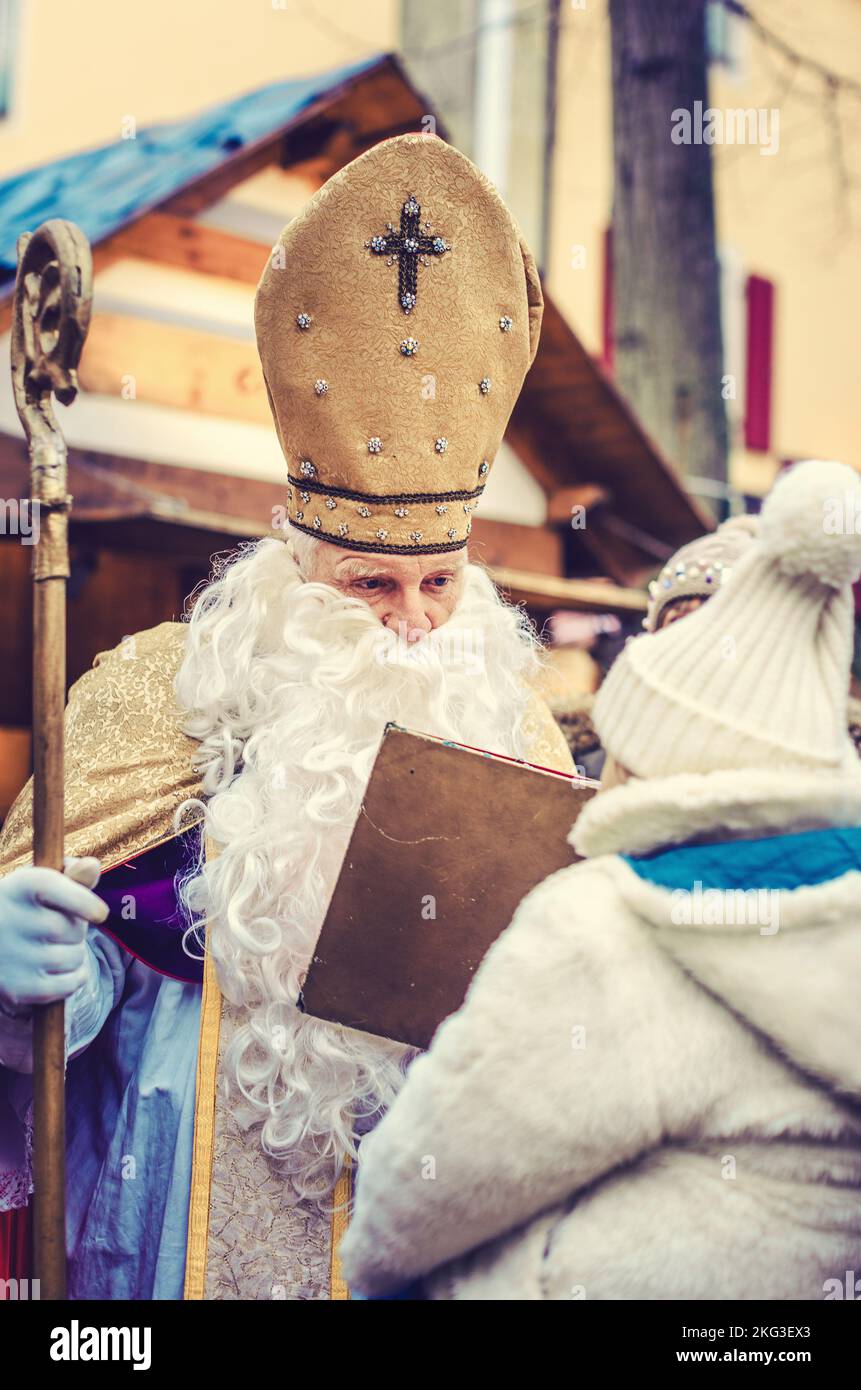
(777, 861)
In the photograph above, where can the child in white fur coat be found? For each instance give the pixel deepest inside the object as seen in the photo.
(653, 1089)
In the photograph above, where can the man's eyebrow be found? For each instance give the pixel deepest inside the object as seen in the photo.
(361, 569)
(357, 568)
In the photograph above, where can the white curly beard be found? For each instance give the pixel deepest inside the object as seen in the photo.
(288, 686)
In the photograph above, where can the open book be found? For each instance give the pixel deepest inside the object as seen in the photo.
(448, 841)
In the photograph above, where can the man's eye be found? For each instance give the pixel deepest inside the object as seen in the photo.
(440, 580)
(367, 585)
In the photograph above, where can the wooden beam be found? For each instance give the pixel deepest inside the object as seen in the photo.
(180, 488)
(546, 592)
(103, 256)
(179, 241)
(561, 506)
(179, 367)
(202, 192)
(183, 542)
(534, 548)
(523, 440)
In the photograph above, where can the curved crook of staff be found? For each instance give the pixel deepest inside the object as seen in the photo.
(53, 296)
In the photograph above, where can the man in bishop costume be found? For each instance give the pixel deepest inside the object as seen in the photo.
(214, 768)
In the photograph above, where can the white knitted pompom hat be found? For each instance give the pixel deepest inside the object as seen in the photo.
(759, 676)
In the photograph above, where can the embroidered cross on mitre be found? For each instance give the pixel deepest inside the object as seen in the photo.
(409, 247)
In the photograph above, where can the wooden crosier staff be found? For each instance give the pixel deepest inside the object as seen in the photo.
(53, 295)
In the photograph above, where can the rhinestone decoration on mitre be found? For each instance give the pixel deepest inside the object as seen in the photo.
(398, 273)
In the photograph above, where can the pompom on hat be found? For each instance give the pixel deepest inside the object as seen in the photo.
(759, 676)
(396, 320)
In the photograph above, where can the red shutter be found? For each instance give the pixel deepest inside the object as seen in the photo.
(607, 301)
(760, 348)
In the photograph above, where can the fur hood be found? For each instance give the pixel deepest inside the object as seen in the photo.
(641, 816)
(638, 1101)
(761, 971)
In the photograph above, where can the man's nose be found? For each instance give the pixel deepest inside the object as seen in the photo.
(409, 620)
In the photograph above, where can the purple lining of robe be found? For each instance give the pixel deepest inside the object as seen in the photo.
(146, 885)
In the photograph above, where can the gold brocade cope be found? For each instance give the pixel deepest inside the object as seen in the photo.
(128, 763)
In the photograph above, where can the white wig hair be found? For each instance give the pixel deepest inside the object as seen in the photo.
(287, 684)
(305, 551)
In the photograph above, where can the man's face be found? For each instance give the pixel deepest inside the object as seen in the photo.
(410, 594)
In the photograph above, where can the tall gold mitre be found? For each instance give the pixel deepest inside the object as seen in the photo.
(396, 320)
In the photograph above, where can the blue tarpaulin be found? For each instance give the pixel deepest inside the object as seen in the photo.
(102, 189)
